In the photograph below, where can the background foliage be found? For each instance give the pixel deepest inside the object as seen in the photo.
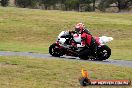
(76, 5)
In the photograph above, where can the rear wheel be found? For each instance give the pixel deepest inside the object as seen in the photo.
(83, 57)
(83, 54)
(54, 50)
(104, 53)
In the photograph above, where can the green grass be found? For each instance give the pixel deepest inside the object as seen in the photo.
(26, 72)
(23, 47)
(34, 30)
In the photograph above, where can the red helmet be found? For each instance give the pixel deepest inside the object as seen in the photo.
(79, 27)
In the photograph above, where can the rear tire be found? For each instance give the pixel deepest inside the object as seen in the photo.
(83, 57)
(83, 54)
(54, 50)
(103, 53)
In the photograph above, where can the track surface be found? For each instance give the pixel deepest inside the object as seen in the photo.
(36, 55)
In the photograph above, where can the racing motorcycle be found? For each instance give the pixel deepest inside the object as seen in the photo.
(70, 45)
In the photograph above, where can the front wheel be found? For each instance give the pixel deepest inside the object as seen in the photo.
(54, 50)
(103, 53)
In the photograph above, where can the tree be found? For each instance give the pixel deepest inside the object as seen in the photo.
(93, 4)
(121, 4)
(124, 4)
(85, 5)
(4, 3)
(48, 3)
(25, 3)
(72, 4)
(105, 4)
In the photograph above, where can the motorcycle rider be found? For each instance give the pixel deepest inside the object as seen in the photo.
(87, 40)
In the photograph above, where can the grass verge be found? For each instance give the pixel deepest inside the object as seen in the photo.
(26, 72)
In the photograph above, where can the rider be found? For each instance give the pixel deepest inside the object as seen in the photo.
(87, 40)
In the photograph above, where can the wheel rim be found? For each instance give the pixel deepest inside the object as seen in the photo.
(103, 54)
(55, 50)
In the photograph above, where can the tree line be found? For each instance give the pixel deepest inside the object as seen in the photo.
(68, 5)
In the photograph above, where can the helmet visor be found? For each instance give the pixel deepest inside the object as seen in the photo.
(77, 29)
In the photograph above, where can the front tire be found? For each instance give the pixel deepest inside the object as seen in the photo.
(103, 53)
(54, 50)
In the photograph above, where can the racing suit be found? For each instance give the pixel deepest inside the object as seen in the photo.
(89, 43)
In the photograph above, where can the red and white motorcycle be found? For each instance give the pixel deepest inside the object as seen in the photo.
(70, 45)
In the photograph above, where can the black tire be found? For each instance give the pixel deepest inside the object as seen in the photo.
(83, 57)
(103, 53)
(54, 50)
(83, 54)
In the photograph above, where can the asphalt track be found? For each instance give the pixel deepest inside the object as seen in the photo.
(122, 63)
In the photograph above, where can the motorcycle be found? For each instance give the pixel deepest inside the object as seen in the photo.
(70, 45)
